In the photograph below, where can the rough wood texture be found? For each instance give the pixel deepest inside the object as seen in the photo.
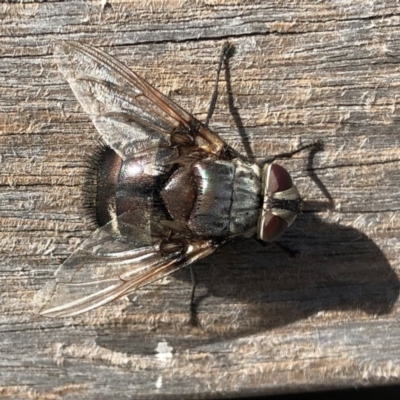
(303, 70)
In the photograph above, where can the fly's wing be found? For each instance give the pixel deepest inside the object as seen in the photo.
(131, 250)
(128, 112)
(117, 259)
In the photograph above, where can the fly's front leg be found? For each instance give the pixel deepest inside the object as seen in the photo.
(314, 147)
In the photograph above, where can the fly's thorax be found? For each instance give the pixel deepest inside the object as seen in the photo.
(245, 198)
(281, 203)
(227, 198)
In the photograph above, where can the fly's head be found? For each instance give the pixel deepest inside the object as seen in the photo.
(281, 203)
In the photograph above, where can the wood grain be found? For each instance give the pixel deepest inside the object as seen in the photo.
(302, 71)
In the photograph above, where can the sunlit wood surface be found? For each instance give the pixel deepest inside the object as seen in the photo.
(302, 71)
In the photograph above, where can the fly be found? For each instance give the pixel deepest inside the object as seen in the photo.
(170, 191)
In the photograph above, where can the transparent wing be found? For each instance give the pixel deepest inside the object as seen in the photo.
(117, 259)
(127, 111)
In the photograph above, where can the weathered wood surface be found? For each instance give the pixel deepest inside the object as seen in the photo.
(302, 70)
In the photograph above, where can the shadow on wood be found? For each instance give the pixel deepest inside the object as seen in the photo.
(340, 270)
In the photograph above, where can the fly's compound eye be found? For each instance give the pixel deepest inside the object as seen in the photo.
(281, 203)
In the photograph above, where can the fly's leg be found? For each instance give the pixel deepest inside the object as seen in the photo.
(315, 146)
(193, 311)
(194, 284)
(289, 253)
(227, 51)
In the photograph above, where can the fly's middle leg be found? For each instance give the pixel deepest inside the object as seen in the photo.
(227, 51)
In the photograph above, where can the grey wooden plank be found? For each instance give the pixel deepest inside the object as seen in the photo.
(267, 324)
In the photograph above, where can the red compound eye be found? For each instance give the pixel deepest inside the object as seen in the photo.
(281, 202)
(278, 179)
(273, 227)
